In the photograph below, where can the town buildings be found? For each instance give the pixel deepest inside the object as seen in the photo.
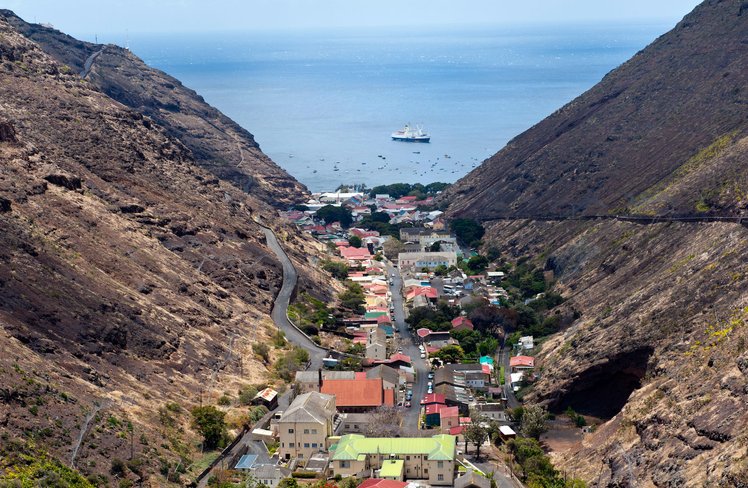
(305, 426)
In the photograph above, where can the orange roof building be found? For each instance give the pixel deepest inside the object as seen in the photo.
(358, 395)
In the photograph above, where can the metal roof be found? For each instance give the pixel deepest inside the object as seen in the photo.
(246, 461)
(439, 447)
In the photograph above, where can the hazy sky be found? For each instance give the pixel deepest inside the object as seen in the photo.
(110, 17)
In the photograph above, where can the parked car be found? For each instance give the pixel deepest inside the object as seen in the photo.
(407, 404)
(431, 375)
(423, 355)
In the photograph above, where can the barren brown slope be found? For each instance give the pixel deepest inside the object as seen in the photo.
(659, 351)
(624, 139)
(129, 275)
(217, 143)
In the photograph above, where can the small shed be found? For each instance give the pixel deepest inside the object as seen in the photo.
(267, 397)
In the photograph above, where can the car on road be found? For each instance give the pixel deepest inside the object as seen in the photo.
(407, 404)
(431, 375)
(423, 355)
(430, 391)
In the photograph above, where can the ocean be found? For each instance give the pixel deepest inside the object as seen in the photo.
(323, 104)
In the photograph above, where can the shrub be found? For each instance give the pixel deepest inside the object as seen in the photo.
(118, 467)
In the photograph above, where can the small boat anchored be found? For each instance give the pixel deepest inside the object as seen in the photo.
(410, 134)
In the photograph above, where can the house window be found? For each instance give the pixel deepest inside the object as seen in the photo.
(314, 444)
(290, 431)
(301, 455)
(306, 431)
(440, 477)
(440, 464)
(407, 458)
(291, 444)
(345, 464)
(347, 426)
(314, 431)
(306, 445)
(426, 471)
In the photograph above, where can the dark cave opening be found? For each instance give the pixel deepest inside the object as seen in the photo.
(602, 390)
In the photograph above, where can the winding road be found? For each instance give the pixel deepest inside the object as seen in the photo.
(280, 307)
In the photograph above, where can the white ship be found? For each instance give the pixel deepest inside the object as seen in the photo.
(410, 134)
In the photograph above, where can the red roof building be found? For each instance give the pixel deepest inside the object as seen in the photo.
(423, 332)
(380, 483)
(433, 398)
(355, 253)
(462, 323)
(522, 362)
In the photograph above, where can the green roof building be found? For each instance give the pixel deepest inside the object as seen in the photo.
(426, 458)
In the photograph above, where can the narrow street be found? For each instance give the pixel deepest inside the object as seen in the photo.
(410, 348)
(502, 358)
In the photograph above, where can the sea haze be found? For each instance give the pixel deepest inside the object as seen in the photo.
(318, 101)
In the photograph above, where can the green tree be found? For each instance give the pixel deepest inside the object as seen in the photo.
(534, 421)
(450, 354)
(331, 213)
(441, 270)
(392, 247)
(468, 231)
(476, 434)
(210, 423)
(477, 264)
(353, 297)
(337, 269)
(288, 483)
(355, 241)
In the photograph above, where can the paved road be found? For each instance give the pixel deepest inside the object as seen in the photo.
(500, 473)
(89, 63)
(280, 307)
(502, 357)
(411, 418)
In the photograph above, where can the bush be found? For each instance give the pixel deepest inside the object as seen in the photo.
(262, 350)
(247, 394)
(467, 230)
(224, 400)
(118, 467)
(337, 269)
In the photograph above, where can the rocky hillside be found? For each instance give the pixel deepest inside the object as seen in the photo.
(659, 352)
(656, 342)
(130, 274)
(217, 143)
(663, 134)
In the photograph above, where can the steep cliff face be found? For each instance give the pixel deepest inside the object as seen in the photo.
(217, 143)
(640, 141)
(660, 347)
(130, 276)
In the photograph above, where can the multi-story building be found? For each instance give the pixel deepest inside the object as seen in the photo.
(426, 458)
(305, 425)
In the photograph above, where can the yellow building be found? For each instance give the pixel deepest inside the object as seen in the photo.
(431, 459)
(305, 425)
